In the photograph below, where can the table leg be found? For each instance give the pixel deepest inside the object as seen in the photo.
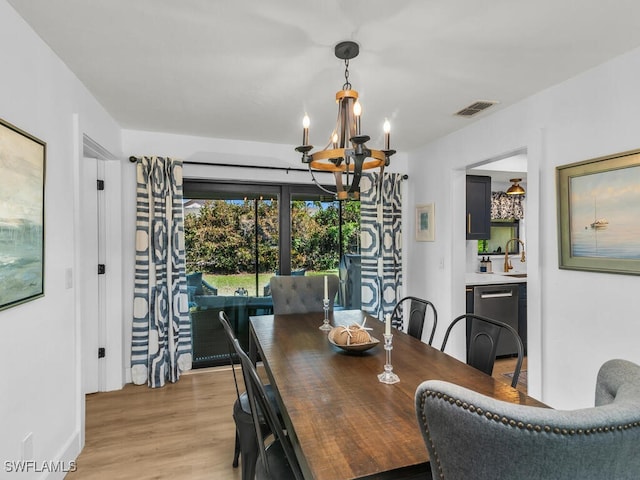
(253, 349)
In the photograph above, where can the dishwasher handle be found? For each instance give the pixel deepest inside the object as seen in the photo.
(502, 294)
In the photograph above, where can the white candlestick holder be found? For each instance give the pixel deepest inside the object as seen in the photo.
(388, 376)
(325, 322)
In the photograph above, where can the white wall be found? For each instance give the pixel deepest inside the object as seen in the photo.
(40, 389)
(577, 320)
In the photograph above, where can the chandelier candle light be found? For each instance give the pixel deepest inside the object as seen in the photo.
(346, 154)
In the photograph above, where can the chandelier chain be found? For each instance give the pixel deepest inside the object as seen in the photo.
(347, 84)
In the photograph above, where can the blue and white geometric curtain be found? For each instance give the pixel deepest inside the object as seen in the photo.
(381, 243)
(161, 337)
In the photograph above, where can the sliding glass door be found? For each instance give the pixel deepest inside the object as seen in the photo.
(238, 236)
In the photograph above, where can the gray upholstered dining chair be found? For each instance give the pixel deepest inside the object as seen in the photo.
(469, 435)
(292, 294)
(482, 343)
(416, 311)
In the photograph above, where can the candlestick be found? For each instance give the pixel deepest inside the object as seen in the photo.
(387, 324)
(325, 322)
(388, 376)
(357, 111)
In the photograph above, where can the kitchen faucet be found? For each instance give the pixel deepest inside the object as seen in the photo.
(507, 262)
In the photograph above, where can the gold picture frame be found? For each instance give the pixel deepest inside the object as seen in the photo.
(598, 203)
(425, 223)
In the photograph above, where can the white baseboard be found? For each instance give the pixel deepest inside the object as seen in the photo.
(67, 459)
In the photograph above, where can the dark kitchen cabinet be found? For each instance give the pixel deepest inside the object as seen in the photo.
(478, 218)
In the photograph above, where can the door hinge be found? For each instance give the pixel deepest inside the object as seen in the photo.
(101, 352)
(100, 184)
(101, 268)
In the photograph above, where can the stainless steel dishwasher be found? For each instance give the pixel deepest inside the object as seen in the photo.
(499, 302)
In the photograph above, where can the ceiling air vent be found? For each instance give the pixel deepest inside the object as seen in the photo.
(476, 107)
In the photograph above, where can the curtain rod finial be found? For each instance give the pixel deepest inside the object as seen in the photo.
(133, 159)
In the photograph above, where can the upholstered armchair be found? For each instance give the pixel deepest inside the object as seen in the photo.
(471, 436)
(198, 289)
(301, 294)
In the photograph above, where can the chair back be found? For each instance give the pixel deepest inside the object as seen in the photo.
(231, 337)
(295, 294)
(259, 401)
(469, 435)
(417, 314)
(482, 343)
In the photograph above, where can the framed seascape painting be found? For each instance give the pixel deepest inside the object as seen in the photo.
(599, 214)
(22, 168)
(425, 223)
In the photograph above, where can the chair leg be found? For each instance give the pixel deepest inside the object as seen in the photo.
(236, 453)
(248, 447)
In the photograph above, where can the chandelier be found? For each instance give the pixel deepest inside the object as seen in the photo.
(346, 154)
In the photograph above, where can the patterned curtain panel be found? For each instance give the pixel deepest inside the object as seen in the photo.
(161, 340)
(505, 206)
(381, 243)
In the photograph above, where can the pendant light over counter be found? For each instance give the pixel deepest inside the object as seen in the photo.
(515, 189)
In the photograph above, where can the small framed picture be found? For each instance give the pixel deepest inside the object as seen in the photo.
(425, 223)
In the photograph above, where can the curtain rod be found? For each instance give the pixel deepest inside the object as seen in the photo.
(133, 159)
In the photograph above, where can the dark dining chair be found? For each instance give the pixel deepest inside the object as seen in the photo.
(277, 459)
(470, 435)
(417, 309)
(246, 445)
(292, 294)
(482, 343)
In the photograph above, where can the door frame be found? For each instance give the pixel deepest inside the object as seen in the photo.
(111, 328)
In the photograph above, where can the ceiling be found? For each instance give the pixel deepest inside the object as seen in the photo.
(250, 69)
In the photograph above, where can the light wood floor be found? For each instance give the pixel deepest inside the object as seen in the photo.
(181, 431)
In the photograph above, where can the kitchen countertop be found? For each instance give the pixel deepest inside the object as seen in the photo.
(472, 279)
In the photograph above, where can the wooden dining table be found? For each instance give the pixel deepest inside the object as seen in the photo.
(343, 423)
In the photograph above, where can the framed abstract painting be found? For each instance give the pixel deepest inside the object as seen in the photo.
(22, 171)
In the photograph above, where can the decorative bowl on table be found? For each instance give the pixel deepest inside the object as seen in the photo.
(352, 339)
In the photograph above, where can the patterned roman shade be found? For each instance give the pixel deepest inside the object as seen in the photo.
(505, 206)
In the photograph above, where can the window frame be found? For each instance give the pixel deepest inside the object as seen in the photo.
(197, 188)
